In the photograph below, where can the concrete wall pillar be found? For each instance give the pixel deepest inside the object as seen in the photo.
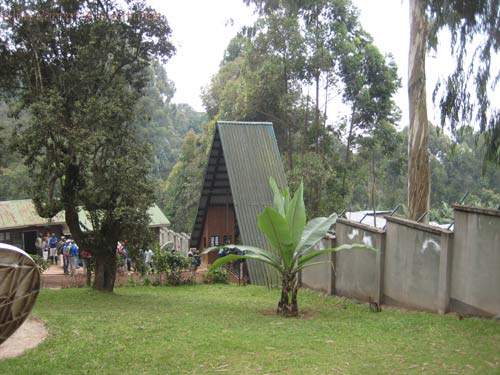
(445, 272)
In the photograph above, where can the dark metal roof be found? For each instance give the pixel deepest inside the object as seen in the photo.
(242, 158)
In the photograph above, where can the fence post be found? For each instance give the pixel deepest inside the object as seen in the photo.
(379, 262)
(445, 272)
(333, 243)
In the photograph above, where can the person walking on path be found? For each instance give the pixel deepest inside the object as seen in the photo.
(66, 258)
(59, 250)
(73, 257)
(53, 248)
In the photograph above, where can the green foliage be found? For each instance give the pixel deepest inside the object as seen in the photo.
(170, 263)
(442, 214)
(319, 45)
(79, 78)
(164, 124)
(181, 191)
(217, 276)
(473, 25)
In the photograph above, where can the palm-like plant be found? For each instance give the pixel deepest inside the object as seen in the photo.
(291, 243)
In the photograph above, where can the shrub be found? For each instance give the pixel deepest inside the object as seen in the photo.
(172, 264)
(217, 276)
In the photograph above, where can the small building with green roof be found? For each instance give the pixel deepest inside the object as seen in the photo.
(20, 223)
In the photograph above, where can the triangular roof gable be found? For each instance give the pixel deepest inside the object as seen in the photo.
(247, 152)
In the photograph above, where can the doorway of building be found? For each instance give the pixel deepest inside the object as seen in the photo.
(29, 239)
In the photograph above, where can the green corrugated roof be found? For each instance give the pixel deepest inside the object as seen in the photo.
(22, 213)
(158, 218)
(251, 156)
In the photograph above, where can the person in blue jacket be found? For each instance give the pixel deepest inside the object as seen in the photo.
(73, 256)
(53, 240)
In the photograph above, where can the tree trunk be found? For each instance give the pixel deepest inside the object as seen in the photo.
(288, 306)
(346, 159)
(316, 120)
(306, 127)
(89, 271)
(418, 157)
(105, 271)
(287, 119)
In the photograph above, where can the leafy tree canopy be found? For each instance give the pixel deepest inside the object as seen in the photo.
(79, 68)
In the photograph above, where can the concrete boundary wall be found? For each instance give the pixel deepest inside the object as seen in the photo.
(475, 282)
(358, 273)
(419, 266)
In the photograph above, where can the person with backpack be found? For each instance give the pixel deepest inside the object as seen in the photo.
(73, 257)
(53, 248)
(66, 258)
(59, 251)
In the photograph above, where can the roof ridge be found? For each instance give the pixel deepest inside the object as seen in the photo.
(224, 122)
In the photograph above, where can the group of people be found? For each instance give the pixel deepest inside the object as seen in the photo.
(65, 249)
(46, 247)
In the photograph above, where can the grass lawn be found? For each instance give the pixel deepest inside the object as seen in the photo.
(224, 329)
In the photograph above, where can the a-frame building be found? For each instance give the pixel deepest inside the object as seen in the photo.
(236, 189)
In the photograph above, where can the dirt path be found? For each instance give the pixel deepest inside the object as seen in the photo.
(28, 336)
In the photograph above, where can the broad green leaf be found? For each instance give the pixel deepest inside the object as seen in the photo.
(249, 250)
(296, 215)
(313, 232)
(252, 250)
(286, 197)
(275, 228)
(279, 200)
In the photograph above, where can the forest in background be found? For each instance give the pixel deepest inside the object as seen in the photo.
(286, 68)
(162, 123)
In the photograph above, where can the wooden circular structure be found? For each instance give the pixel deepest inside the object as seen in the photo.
(19, 287)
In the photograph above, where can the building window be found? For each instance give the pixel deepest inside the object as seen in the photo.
(5, 236)
(227, 240)
(215, 240)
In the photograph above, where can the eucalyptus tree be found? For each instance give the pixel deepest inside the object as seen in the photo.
(292, 242)
(79, 67)
(418, 136)
(474, 26)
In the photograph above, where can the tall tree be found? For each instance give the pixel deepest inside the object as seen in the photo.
(79, 68)
(474, 26)
(418, 158)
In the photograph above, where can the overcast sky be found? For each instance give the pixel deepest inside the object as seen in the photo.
(201, 32)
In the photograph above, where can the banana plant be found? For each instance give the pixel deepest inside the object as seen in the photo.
(291, 243)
